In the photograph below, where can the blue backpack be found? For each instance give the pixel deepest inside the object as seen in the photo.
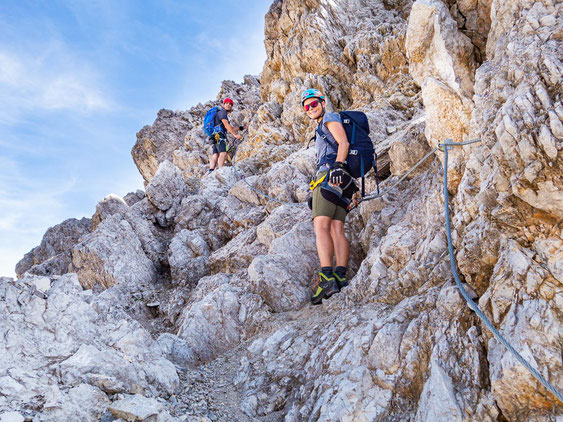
(361, 154)
(208, 121)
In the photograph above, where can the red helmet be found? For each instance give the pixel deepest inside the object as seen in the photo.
(228, 100)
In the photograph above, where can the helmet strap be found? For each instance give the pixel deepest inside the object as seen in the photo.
(320, 118)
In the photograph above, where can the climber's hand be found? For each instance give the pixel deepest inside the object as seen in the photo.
(337, 173)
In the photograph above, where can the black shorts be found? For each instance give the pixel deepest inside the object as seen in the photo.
(220, 145)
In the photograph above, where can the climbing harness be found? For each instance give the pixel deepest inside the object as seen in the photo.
(447, 145)
(314, 183)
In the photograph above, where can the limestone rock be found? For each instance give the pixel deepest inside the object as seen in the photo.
(409, 147)
(55, 265)
(433, 39)
(474, 20)
(187, 256)
(279, 222)
(154, 240)
(522, 324)
(176, 349)
(84, 402)
(236, 254)
(290, 262)
(11, 417)
(508, 198)
(57, 242)
(190, 162)
(136, 408)
(219, 317)
(167, 189)
(442, 62)
(111, 204)
(399, 343)
(178, 137)
(133, 197)
(156, 143)
(110, 255)
(60, 356)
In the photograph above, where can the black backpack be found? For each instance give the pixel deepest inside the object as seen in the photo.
(361, 154)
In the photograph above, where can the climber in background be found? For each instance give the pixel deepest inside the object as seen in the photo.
(217, 121)
(332, 188)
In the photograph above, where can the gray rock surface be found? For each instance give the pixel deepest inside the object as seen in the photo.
(178, 137)
(153, 237)
(441, 61)
(11, 417)
(284, 275)
(221, 275)
(112, 254)
(408, 148)
(138, 408)
(167, 189)
(187, 256)
(156, 143)
(219, 317)
(61, 357)
(111, 204)
(55, 247)
(133, 197)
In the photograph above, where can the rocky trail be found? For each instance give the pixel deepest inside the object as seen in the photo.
(190, 300)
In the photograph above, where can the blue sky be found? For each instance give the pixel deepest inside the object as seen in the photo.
(79, 78)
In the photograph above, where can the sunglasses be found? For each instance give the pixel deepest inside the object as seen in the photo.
(312, 104)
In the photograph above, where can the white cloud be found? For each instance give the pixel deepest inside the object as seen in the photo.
(10, 70)
(27, 209)
(245, 56)
(51, 80)
(8, 256)
(224, 59)
(26, 205)
(68, 92)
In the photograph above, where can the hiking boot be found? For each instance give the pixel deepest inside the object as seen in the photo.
(341, 280)
(324, 288)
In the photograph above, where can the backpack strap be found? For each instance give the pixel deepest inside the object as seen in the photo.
(351, 141)
(323, 135)
(346, 120)
(362, 172)
(310, 140)
(327, 141)
(320, 132)
(375, 168)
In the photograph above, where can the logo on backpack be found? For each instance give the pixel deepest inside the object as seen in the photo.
(208, 126)
(361, 155)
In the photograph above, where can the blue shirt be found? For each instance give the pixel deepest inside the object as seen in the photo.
(327, 149)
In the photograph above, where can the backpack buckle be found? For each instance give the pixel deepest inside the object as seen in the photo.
(353, 152)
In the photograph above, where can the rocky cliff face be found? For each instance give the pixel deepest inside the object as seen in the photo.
(190, 301)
